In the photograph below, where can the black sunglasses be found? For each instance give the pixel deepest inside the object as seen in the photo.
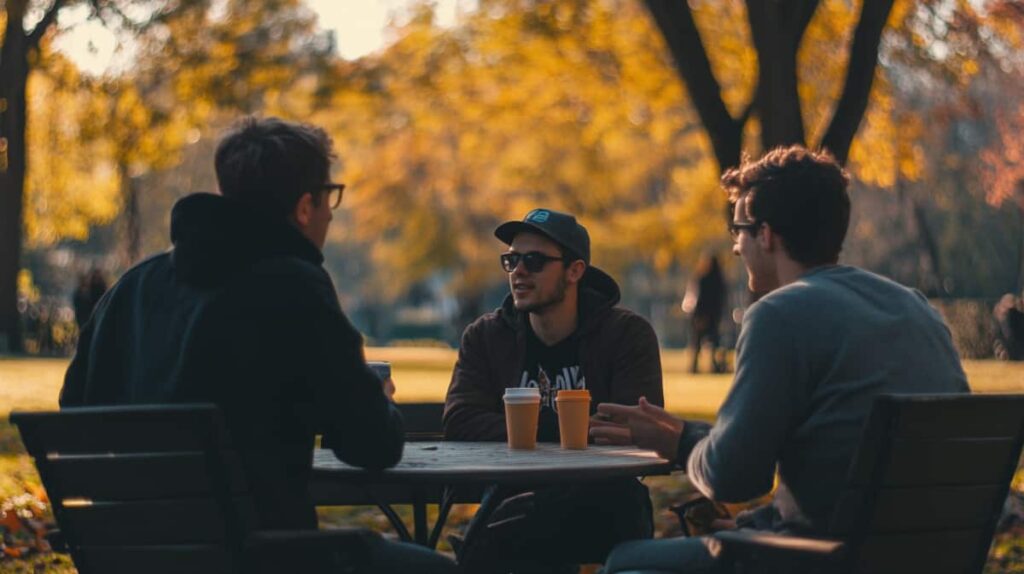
(736, 228)
(334, 193)
(534, 261)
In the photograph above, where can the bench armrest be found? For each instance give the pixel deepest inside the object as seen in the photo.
(335, 551)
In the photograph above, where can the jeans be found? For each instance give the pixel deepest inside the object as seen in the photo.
(699, 555)
(553, 528)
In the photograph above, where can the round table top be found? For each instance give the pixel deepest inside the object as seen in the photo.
(453, 462)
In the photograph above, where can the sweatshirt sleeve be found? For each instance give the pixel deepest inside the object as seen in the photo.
(736, 460)
(348, 402)
(636, 371)
(472, 411)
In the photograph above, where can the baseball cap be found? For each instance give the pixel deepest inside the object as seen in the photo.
(559, 227)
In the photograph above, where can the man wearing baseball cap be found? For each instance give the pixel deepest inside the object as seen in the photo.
(558, 329)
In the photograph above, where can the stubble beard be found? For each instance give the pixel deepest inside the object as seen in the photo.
(556, 298)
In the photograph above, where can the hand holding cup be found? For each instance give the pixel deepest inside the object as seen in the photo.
(383, 371)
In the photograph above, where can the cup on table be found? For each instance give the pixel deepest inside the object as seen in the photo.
(573, 417)
(522, 408)
(380, 368)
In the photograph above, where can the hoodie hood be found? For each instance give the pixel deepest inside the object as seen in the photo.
(598, 294)
(214, 237)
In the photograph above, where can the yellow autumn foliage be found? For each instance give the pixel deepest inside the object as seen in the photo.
(70, 185)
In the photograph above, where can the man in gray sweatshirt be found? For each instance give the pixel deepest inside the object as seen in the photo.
(813, 353)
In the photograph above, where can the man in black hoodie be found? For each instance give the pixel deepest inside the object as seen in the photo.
(241, 313)
(558, 329)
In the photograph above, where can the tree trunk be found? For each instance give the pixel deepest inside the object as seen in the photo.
(778, 102)
(931, 250)
(860, 75)
(777, 28)
(13, 86)
(1019, 287)
(679, 30)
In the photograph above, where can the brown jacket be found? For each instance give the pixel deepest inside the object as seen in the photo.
(618, 354)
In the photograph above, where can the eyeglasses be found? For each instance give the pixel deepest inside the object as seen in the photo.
(736, 228)
(533, 261)
(334, 193)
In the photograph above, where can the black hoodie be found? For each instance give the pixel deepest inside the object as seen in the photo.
(618, 354)
(240, 313)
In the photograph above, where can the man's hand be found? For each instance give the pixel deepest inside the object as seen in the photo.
(645, 425)
(388, 385)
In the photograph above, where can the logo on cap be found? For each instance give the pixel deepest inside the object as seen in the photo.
(538, 216)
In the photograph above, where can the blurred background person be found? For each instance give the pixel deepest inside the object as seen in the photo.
(1009, 318)
(704, 302)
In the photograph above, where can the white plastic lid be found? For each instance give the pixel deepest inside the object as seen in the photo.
(522, 395)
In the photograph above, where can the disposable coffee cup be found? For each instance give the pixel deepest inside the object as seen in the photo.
(573, 408)
(380, 368)
(522, 408)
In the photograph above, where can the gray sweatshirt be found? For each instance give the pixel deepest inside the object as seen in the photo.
(811, 357)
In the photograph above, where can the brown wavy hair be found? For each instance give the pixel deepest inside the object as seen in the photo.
(802, 195)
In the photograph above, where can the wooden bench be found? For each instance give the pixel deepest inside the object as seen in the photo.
(924, 493)
(159, 489)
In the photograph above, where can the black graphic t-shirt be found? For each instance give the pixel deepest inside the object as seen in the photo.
(551, 369)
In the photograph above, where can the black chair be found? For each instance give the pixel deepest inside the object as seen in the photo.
(924, 493)
(159, 489)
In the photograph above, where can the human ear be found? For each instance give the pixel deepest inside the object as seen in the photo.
(767, 239)
(576, 270)
(303, 213)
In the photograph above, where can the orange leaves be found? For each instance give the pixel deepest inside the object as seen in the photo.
(1003, 171)
(22, 531)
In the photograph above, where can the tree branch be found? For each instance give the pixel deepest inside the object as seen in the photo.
(776, 29)
(805, 13)
(748, 110)
(860, 75)
(679, 30)
(36, 35)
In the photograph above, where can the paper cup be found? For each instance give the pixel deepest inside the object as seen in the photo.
(573, 417)
(380, 368)
(522, 408)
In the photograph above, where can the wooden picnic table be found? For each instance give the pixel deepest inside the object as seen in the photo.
(428, 466)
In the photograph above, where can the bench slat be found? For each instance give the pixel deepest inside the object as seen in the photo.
(163, 428)
(150, 523)
(155, 560)
(919, 509)
(926, 462)
(950, 552)
(141, 476)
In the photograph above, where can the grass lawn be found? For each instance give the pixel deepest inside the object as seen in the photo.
(422, 374)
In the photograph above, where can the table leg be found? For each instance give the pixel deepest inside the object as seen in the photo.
(419, 514)
(393, 518)
(447, 500)
(492, 497)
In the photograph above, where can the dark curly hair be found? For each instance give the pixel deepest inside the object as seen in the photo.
(802, 195)
(270, 163)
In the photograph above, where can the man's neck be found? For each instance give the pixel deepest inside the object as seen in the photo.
(789, 270)
(555, 323)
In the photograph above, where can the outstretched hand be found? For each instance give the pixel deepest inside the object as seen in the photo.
(644, 425)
